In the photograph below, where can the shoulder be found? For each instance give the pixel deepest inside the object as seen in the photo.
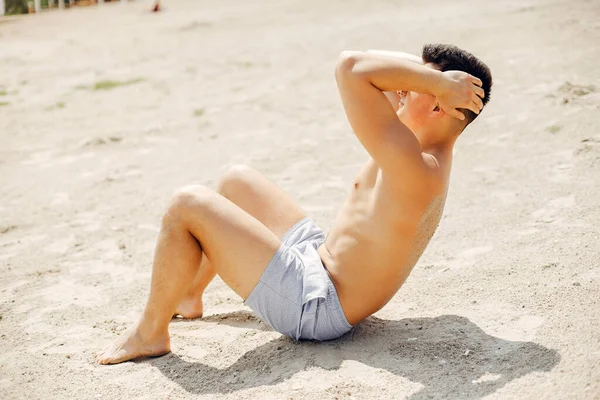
(428, 178)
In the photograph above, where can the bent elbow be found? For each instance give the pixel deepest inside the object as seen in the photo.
(347, 62)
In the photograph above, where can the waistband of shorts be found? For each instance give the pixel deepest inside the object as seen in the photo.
(335, 306)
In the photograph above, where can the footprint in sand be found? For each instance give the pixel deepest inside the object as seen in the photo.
(99, 141)
(588, 147)
(8, 228)
(553, 212)
(570, 92)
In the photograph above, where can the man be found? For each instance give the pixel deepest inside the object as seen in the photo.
(265, 248)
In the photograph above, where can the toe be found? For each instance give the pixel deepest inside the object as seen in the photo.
(105, 358)
(108, 359)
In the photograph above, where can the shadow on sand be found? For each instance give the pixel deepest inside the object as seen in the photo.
(430, 351)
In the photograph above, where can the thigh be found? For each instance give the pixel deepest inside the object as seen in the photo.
(238, 245)
(262, 198)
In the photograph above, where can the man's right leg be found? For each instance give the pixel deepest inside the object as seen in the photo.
(258, 196)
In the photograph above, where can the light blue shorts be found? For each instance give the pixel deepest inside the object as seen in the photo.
(295, 294)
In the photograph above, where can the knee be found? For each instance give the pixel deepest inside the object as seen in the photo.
(235, 178)
(187, 201)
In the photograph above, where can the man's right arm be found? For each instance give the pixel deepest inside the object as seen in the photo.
(362, 78)
(394, 97)
(398, 54)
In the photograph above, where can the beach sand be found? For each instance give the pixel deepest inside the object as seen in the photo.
(105, 111)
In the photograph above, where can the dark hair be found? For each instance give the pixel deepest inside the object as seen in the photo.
(448, 57)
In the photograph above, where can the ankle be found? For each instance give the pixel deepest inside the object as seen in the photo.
(151, 327)
(194, 294)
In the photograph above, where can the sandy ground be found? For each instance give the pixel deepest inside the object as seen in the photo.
(504, 303)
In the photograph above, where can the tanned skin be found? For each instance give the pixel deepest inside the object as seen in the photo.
(405, 115)
(397, 199)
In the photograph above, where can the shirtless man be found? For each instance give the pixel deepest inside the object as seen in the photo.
(264, 247)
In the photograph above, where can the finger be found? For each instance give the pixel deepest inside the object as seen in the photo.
(477, 100)
(476, 80)
(457, 114)
(474, 107)
(479, 91)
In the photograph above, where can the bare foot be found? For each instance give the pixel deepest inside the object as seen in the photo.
(190, 307)
(134, 343)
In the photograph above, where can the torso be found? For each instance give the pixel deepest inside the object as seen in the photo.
(377, 238)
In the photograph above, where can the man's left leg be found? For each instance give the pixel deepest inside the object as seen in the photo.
(198, 221)
(260, 197)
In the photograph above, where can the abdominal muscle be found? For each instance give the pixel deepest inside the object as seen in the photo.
(375, 242)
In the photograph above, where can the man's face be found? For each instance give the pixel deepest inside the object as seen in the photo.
(414, 109)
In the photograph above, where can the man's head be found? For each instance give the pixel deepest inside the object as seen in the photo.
(419, 111)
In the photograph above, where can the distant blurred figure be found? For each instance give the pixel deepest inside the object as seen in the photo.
(156, 6)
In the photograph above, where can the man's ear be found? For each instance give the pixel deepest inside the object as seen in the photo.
(437, 111)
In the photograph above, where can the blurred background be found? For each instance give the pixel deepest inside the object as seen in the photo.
(12, 7)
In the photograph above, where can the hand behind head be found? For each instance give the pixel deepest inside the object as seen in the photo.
(459, 89)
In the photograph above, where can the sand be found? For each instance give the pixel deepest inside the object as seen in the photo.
(107, 110)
